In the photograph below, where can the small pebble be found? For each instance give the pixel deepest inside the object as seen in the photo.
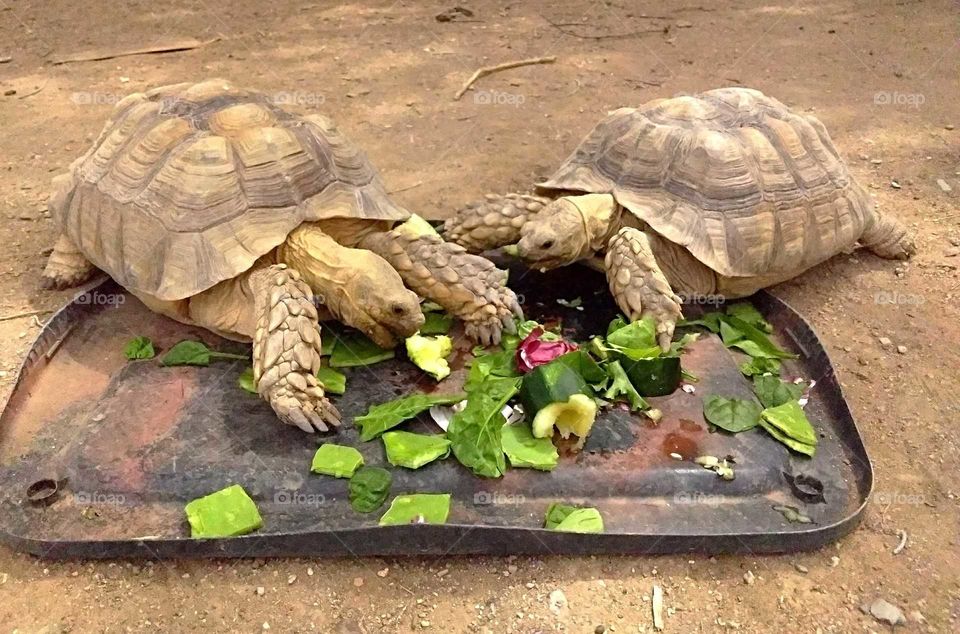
(801, 568)
(885, 341)
(261, 591)
(358, 582)
(749, 578)
(944, 186)
(949, 126)
(383, 573)
(902, 349)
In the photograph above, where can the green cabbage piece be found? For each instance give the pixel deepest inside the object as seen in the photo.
(338, 461)
(406, 449)
(225, 513)
(573, 519)
(417, 508)
(525, 451)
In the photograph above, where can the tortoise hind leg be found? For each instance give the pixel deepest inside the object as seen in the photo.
(66, 266)
(494, 222)
(274, 307)
(887, 238)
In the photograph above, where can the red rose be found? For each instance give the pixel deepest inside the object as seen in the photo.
(534, 351)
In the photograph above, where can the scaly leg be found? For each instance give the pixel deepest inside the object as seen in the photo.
(639, 286)
(493, 222)
(66, 266)
(467, 286)
(888, 238)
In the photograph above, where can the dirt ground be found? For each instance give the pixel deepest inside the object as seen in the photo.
(881, 74)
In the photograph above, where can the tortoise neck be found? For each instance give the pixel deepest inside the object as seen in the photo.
(600, 214)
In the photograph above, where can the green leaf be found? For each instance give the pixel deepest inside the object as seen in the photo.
(734, 415)
(573, 519)
(327, 343)
(245, 381)
(525, 451)
(796, 445)
(728, 334)
(476, 430)
(497, 364)
(637, 340)
(195, 353)
(616, 324)
(677, 347)
(225, 513)
(418, 508)
(369, 488)
(436, 324)
(760, 365)
(710, 321)
(620, 386)
(790, 420)
(772, 391)
(338, 461)
(746, 312)
(139, 348)
(355, 348)
(333, 382)
(756, 343)
(584, 365)
(405, 449)
(380, 418)
(427, 306)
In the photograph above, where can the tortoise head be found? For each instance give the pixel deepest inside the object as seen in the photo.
(566, 230)
(376, 302)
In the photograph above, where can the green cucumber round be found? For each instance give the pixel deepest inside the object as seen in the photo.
(657, 376)
(554, 394)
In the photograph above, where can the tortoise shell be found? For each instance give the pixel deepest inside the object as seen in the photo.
(745, 184)
(188, 185)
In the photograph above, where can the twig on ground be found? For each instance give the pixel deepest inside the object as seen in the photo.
(29, 313)
(30, 94)
(405, 187)
(172, 47)
(610, 36)
(488, 70)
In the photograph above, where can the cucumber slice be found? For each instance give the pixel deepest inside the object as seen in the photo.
(554, 395)
(658, 376)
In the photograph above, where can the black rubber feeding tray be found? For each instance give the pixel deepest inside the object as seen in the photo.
(98, 456)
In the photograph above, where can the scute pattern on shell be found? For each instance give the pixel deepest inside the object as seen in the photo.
(744, 183)
(188, 185)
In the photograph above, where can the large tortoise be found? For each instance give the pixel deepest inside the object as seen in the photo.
(721, 193)
(218, 208)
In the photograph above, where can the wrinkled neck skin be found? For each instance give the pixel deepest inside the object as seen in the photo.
(600, 218)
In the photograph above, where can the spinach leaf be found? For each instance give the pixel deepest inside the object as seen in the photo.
(796, 445)
(749, 314)
(733, 415)
(710, 321)
(621, 386)
(245, 381)
(417, 508)
(369, 488)
(436, 324)
(355, 348)
(195, 353)
(525, 451)
(773, 392)
(573, 519)
(380, 418)
(338, 461)
(139, 348)
(754, 341)
(497, 364)
(637, 340)
(760, 365)
(333, 382)
(475, 432)
(405, 449)
(791, 421)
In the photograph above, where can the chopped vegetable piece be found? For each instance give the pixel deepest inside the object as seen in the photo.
(573, 519)
(354, 348)
(760, 365)
(338, 461)
(790, 420)
(636, 340)
(678, 346)
(792, 514)
(405, 449)
(583, 364)
(436, 324)
(326, 345)
(773, 392)
(498, 364)
(535, 350)
(416, 227)
(245, 381)
(139, 348)
(556, 396)
(710, 321)
(620, 385)
(658, 376)
(528, 326)
(380, 418)
(733, 414)
(226, 513)
(195, 353)
(754, 341)
(333, 382)
(796, 445)
(369, 488)
(475, 431)
(746, 312)
(418, 508)
(525, 451)
(430, 354)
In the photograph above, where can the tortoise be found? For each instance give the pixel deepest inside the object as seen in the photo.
(218, 208)
(712, 195)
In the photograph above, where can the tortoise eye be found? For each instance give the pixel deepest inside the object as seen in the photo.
(547, 244)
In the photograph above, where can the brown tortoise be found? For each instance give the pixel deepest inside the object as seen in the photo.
(218, 208)
(721, 193)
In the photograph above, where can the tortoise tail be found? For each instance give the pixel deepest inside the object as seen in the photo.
(888, 238)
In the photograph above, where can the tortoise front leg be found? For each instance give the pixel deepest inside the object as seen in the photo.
(467, 286)
(639, 286)
(66, 266)
(493, 222)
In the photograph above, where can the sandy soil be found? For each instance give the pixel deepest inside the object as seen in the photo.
(882, 75)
